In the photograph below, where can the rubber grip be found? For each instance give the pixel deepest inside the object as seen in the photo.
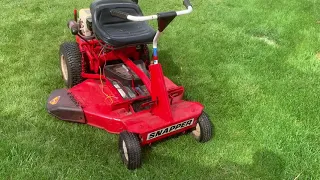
(186, 3)
(119, 14)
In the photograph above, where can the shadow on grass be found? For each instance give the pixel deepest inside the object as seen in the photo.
(265, 165)
(170, 68)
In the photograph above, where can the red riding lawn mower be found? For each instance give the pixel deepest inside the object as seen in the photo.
(114, 85)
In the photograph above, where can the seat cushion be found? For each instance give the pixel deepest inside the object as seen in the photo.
(122, 34)
(116, 31)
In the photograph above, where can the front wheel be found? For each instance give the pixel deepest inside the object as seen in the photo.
(130, 150)
(204, 129)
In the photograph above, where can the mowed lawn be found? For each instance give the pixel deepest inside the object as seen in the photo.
(252, 63)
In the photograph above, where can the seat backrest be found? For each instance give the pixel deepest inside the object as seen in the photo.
(100, 10)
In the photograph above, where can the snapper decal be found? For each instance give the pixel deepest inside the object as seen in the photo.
(170, 129)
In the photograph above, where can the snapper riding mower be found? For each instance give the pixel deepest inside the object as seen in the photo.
(114, 85)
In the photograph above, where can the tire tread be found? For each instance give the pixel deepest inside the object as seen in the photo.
(134, 150)
(206, 128)
(73, 56)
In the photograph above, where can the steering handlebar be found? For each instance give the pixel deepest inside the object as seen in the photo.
(127, 16)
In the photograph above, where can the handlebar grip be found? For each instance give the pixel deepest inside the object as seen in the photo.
(119, 14)
(186, 3)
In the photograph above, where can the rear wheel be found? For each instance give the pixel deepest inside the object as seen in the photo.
(130, 150)
(204, 129)
(70, 63)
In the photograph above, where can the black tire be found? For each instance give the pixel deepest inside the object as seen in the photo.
(204, 129)
(70, 63)
(130, 150)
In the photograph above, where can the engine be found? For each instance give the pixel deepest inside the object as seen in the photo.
(84, 25)
(85, 22)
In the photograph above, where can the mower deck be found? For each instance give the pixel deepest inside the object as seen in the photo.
(104, 108)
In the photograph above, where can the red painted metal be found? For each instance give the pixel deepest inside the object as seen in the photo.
(104, 106)
(114, 115)
(159, 93)
(75, 15)
(96, 55)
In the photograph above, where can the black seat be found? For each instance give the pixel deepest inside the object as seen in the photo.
(115, 31)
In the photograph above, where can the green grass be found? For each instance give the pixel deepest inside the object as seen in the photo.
(252, 63)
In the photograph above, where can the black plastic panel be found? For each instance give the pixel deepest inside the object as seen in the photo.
(62, 105)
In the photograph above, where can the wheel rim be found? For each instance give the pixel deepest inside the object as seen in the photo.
(64, 67)
(197, 131)
(125, 150)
